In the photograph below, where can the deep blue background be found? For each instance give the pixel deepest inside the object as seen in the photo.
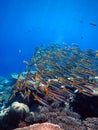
(25, 24)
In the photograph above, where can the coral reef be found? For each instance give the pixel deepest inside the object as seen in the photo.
(63, 90)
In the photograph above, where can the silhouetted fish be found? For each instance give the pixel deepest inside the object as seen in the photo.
(93, 24)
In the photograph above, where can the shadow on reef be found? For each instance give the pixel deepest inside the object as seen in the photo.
(85, 106)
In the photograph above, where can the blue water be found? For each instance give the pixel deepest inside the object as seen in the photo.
(25, 24)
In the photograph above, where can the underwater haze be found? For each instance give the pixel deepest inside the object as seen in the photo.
(25, 24)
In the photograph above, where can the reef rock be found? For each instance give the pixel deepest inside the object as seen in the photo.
(42, 126)
(91, 123)
(12, 115)
(19, 110)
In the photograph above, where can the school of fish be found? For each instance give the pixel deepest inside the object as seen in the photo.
(59, 70)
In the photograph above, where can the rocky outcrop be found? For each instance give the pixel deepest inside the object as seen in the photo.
(65, 124)
(18, 110)
(19, 116)
(12, 115)
(42, 126)
(91, 123)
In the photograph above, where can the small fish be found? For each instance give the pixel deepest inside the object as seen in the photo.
(87, 94)
(93, 24)
(25, 62)
(40, 100)
(97, 54)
